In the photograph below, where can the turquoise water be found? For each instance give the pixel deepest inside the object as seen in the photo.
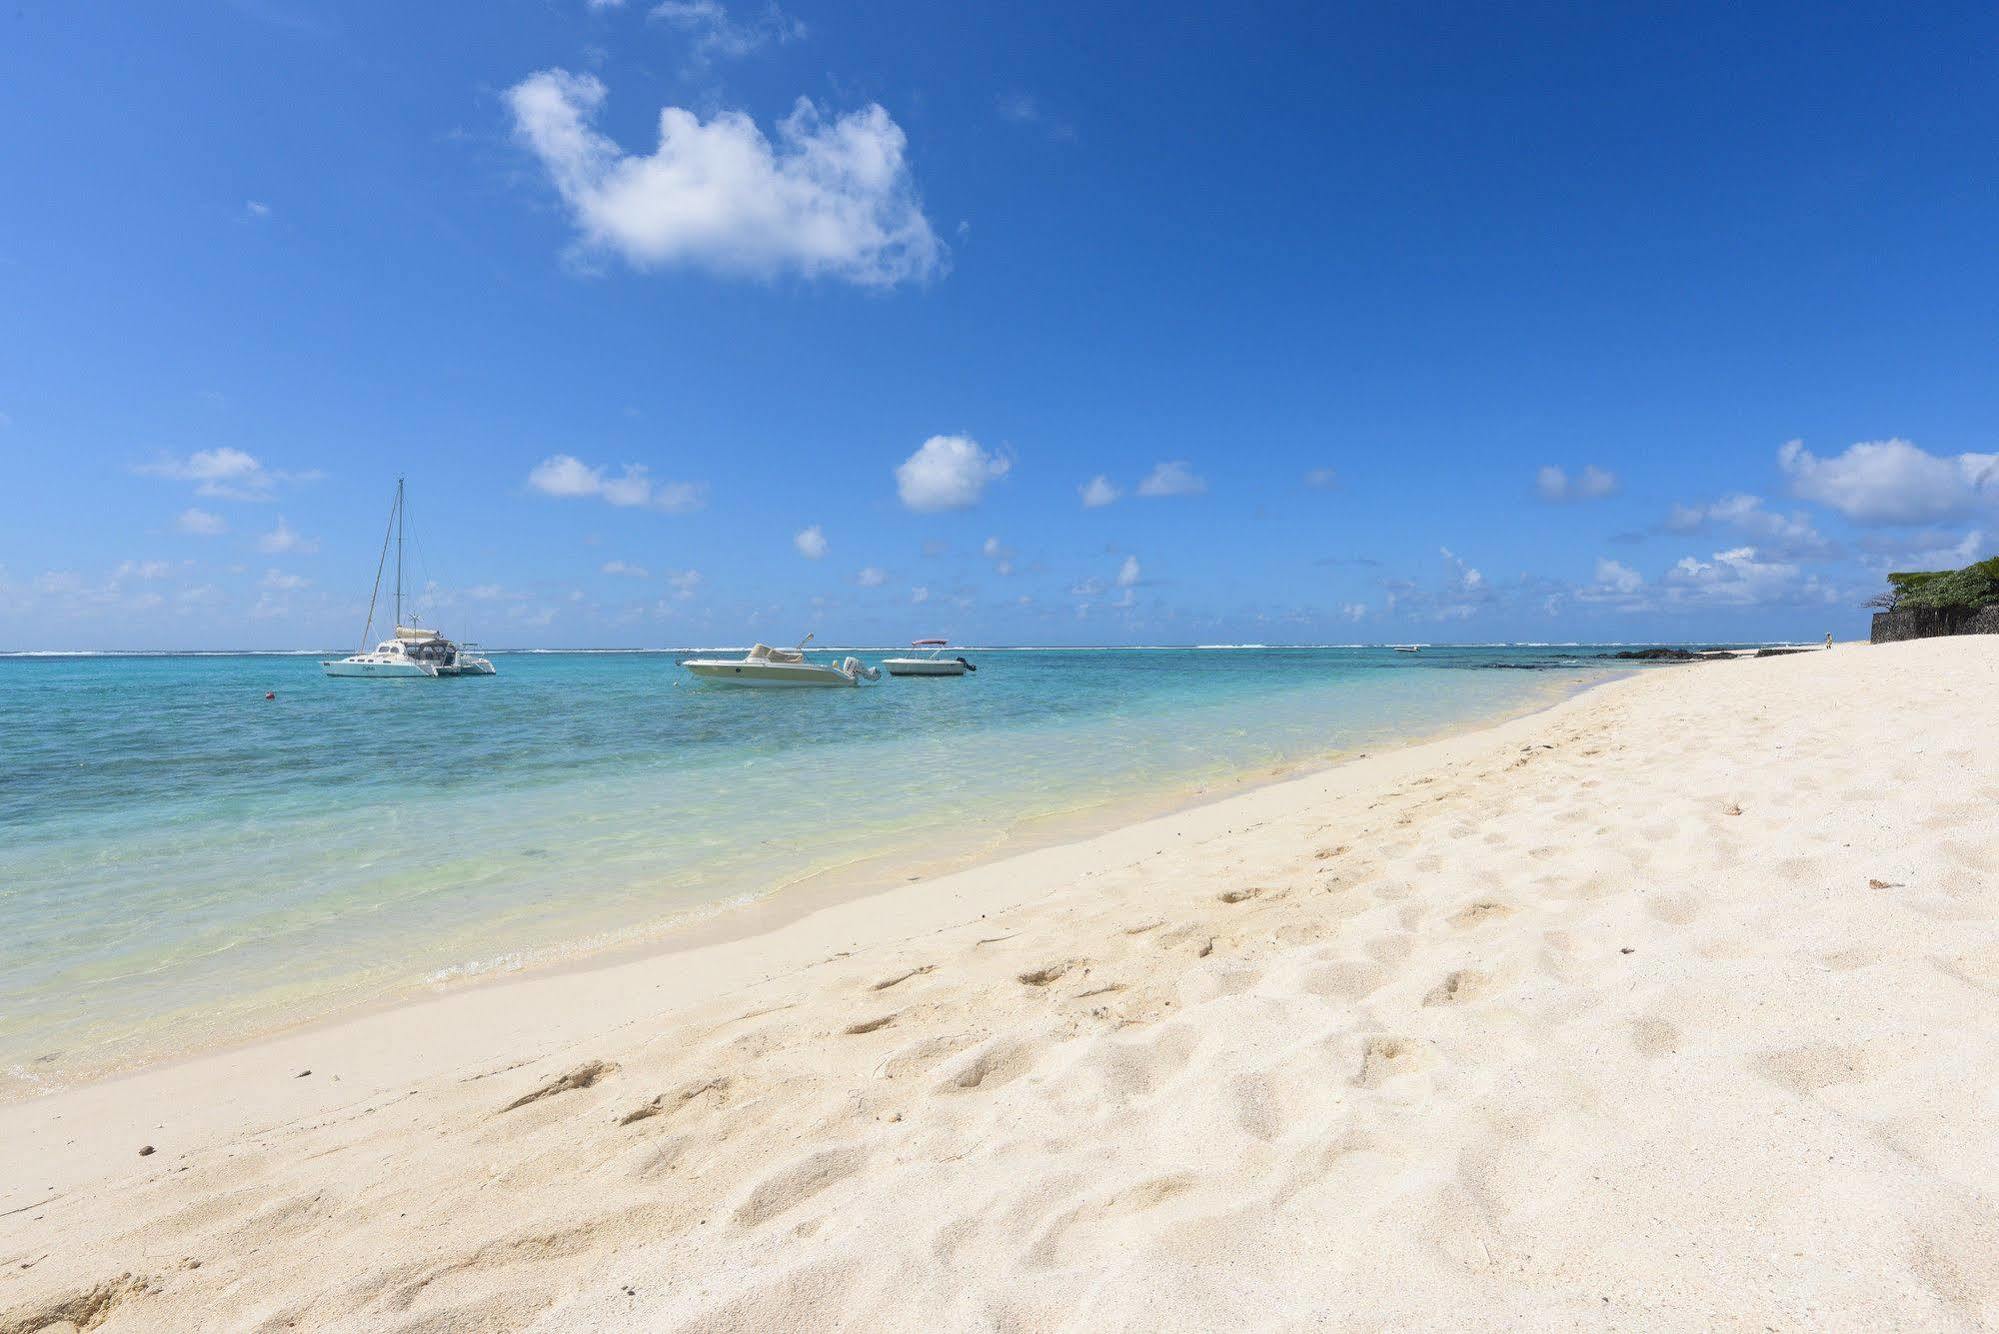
(184, 862)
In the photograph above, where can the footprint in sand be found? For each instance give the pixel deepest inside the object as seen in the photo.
(1655, 1037)
(999, 1062)
(1239, 895)
(582, 1077)
(1484, 910)
(1460, 986)
(1674, 909)
(885, 983)
(789, 1187)
(1041, 977)
(666, 1104)
(1385, 1058)
(870, 1025)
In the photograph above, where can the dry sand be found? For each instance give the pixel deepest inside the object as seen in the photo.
(1676, 1006)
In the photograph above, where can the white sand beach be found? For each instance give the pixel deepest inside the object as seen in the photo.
(1673, 1007)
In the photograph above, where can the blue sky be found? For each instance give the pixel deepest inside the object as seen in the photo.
(1366, 323)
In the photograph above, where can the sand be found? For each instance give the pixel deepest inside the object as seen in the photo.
(1673, 1007)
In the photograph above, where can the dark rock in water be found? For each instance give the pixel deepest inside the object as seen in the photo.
(1654, 655)
(1781, 652)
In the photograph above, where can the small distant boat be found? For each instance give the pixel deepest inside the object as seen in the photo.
(414, 651)
(1407, 648)
(932, 664)
(780, 667)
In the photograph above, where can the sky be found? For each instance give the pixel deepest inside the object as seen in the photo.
(704, 321)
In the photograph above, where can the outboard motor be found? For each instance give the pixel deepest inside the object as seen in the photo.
(968, 666)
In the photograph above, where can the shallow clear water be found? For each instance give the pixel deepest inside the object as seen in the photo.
(182, 861)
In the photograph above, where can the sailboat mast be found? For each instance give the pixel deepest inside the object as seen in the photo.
(399, 555)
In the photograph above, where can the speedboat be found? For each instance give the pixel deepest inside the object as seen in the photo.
(933, 663)
(780, 667)
(414, 651)
(1407, 648)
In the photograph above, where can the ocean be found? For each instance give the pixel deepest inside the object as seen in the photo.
(184, 862)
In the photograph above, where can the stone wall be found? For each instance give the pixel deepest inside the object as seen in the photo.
(1893, 626)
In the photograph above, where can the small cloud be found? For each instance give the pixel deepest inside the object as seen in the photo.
(1173, 478)
(1098, 492)
(568, 478)
(1322, 479)
(1127, 575)
(253, 208)
(811, 542)
(1353, 611)
(919, 595)
(684, 583)
(1020, 108)
(1556, 486)
(1617, 577)
(199, 523)
(140, 569)
(224, 473)
(626, 569)
(285, 539)
(281, 582)
(872, 576)
(947, 472)
(716, 34)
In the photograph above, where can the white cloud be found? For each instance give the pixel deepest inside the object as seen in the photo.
(685, 583)
(199, 523)
(1738, 577)
(994, 549)
(831, 199)
(1353, 611)
(225, 473)
(872, 576)
(947, 472)
(1322, 479)
(568, 478)
(256, 209)
(1098, 492)
(811, 542)
(1173, 478)
(1616, 577)
(1466, 579)
(140, 569)
(283, 582)
(1891, 481)
(1791, 534)
(714, 33)
(625, 568)
(919, 595)
(1127, 575)
(284, 538)
(1592, 483)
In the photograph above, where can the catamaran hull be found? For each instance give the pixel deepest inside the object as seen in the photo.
(377, 669)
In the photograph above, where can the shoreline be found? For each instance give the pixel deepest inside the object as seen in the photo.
(732, 929)
(748, 914)
(1663, 1006)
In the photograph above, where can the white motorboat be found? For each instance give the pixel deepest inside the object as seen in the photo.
(933, 663)
(414, 651)
(779, 667)
(1407, 648)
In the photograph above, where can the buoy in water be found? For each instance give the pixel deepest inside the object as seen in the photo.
(270, 694)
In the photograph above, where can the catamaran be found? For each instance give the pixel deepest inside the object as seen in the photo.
(933, 663)
(767, 666)
(414, 651)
